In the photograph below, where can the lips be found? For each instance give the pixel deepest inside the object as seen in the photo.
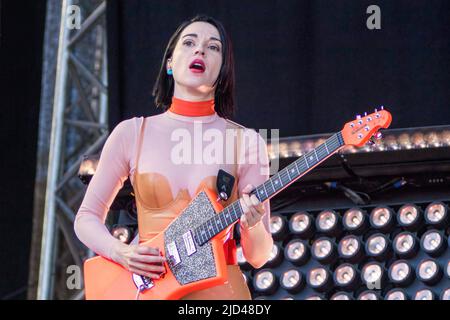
(197, 66)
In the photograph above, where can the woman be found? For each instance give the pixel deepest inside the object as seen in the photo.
(195, 87)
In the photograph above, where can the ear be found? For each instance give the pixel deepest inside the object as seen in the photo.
(168, 64)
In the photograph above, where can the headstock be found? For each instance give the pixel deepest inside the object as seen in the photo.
(362, 129)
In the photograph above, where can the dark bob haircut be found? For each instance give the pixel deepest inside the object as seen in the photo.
(224, 94)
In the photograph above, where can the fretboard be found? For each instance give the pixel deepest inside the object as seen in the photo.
(270, 188)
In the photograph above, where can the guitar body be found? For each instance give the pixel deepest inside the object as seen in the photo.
(190, 267)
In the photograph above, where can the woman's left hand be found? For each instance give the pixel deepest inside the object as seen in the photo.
(252, 207)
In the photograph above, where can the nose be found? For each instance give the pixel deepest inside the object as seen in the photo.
(202, 52)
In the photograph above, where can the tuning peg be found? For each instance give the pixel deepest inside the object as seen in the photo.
(365, 114)
(376, 110)
(358, 116)
(382, 107)
(378, 135)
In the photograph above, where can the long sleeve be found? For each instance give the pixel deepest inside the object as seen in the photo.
(256, 242)
(112, 170)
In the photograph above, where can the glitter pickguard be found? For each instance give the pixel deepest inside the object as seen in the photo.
(201, 264)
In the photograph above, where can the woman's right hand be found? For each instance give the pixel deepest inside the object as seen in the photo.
(141, 260)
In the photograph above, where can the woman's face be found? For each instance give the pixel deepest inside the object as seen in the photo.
(197, 58)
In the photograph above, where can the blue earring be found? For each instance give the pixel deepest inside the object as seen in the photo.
(169, 72)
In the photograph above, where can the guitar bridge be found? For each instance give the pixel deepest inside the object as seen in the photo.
(142, 283)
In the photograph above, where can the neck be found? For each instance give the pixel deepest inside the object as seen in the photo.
(193, 94)
(192, 108)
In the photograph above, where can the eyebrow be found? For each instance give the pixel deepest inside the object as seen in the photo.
(196, 36)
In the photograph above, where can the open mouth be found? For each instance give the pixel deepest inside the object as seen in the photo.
(197, 66)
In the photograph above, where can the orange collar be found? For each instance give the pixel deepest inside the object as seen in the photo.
(192, 108)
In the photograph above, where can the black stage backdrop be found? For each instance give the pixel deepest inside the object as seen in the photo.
(21, 38)
(302, 66)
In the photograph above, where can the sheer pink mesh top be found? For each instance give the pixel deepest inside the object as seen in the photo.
(168, 158)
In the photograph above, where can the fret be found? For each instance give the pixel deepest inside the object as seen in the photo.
(213, 225)
(315, 152)
(234, 211)
(222, 217)
(238, 203)
(335, 141)
(297, 168)
(203, 232)
(264, 186)
(306, 161)
(322, 152)
(209, 227)
(203, 235)
(326, 147)
(294, 168)
(260, 191)
(310, 158)
(273, 187)
(257, 195)
(217, 223)
(196, 236)
(227, 215)
(276, 180)
(288, 173)
(285, 175)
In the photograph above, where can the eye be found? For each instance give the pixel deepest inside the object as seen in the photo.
(214, 47)
(188, 43)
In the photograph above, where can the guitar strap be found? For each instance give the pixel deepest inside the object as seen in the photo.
(230, 243)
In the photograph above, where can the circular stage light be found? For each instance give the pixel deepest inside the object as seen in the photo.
(372, 275)
(382, 219)
(265, 282)
(369, 295)
(346, 277)
(400, 273)
(276, 256)
(315, 297)
(297, 252)
(292, 281)
(301, 224)
(410, 217)
(319, 278)
(445, 295)
(424, 294)
(433, 243)
(278, 227)
(350, 248)
(355, 220)
(396, 294)
(406, 245)
(329, 223)
(436, 215)
(429, 271)
(324, 250)
(341, 296)
(242, 262)
(378, 246)
(122, 233)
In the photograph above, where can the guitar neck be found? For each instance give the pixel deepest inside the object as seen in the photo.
(270, 188)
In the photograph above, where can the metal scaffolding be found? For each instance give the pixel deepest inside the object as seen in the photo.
(79, 126)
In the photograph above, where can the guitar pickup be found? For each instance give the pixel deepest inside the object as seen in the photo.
(173, 255)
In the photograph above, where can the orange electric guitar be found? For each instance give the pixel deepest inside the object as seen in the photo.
(193, 242)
